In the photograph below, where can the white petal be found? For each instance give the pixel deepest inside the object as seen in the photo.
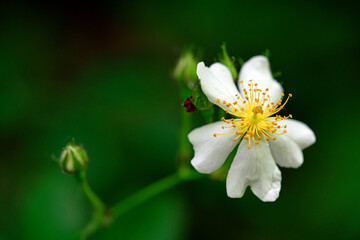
(254, 167)
(217, 82)
(286, 152)
(211, 152)
(299, 132)
(258, 70)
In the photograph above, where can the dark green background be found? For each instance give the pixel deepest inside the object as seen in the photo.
(102, 74)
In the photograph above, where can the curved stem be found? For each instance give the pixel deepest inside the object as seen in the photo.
(100, 218)
(97, 220)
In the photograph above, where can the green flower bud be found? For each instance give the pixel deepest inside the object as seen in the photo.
(185, 69)
(73, 159)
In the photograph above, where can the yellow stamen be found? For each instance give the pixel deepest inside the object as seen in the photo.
(255, 115)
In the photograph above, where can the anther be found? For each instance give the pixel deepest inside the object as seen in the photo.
(258, 109)
(214, 134)
(217, 100)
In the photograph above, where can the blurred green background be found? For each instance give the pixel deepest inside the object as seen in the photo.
(102, 74)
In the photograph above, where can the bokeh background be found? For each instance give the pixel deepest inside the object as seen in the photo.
(102, 73)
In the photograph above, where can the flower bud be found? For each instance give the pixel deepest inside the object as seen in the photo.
(73, 159)
(185, 69)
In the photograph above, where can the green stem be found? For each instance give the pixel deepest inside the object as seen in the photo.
(184, 147)
(100, 218)
(97, 220)
(153, 190)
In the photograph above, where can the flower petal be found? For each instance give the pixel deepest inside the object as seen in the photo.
(255, 167)
(211, 152)
(299, 132)
(258, 69)
(217, 82)
(286, 152)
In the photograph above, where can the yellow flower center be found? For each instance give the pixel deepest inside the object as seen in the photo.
(254, 115)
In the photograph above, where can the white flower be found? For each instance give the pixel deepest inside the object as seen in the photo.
(267, 138)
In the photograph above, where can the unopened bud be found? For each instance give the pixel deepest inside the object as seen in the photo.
(73, 159)
(185, 69)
